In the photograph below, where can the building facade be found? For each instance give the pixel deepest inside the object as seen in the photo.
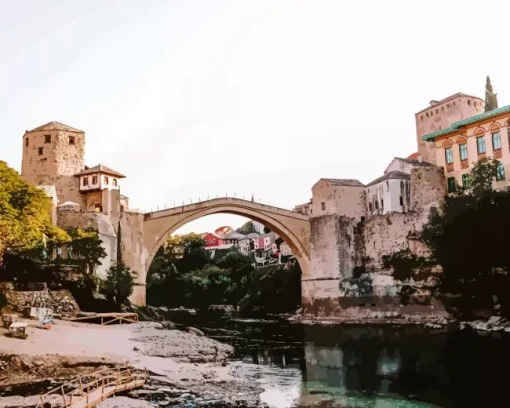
(459, 146)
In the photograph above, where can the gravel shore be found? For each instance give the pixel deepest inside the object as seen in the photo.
(184, 366)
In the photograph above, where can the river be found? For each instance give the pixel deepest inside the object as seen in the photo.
(367, 366)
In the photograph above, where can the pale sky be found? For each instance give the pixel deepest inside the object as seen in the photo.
(201, 98)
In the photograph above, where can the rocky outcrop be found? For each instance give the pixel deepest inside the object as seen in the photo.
(494, 324)
(60, 301)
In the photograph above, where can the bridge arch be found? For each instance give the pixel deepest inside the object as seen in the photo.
(293, 227)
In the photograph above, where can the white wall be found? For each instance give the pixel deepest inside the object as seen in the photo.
(389, 191)
(101, 182)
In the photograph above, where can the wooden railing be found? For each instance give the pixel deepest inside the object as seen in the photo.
(89, 390)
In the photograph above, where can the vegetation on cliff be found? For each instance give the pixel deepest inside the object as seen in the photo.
(470, 240)
(183, 273)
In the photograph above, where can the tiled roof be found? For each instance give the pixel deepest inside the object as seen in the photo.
(100, 169)
(392, 175)
(56, 126)
(344, 182)
(495, 112)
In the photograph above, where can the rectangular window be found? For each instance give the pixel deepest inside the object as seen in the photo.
(47, 138)
(370, 207)
(105, 180)
(451, 184)
(382, 203)
(85, 181)
(480, 144)
(465, 180)
(401, 200)
(71, 140)
(26, 142)
(448, 155)
(114, 181)
(323, 205)
(496, 141)
(377, 205)
(500, 173)
(94, 179)
(463, 151)
(40, 151)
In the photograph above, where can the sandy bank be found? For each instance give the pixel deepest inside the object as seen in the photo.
(174, 358)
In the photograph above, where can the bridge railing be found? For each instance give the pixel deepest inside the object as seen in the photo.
(89, 389)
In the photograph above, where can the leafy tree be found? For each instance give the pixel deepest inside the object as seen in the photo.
(246, 228)
(86, 246)
(25, 215)
(118, 285)
(491, 99)
(482, 177)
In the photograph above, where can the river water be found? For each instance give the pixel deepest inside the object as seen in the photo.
(368, 366)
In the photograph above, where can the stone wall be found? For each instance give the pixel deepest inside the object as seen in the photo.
(105, 229)
(60, 301)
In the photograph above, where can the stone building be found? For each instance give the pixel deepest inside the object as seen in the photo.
(441, 115)
(87, 197)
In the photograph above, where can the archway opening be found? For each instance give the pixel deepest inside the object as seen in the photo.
(225, 264)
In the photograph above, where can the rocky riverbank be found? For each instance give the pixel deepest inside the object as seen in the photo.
(183, 365)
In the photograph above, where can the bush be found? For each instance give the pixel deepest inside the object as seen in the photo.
(118, 286)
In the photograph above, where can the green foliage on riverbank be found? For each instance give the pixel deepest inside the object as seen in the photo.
(184, 274)
(470, 240)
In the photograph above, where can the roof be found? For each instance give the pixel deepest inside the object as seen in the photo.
(415, 162)
(447, 99)
(56, 126)
(100, 169)
(392, 175)
(234, 235)
(343, 182)
(413, 156)
(69, 203)
(456, 125)
(123, 197)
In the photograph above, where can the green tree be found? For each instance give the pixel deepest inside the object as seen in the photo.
(246, 228)
(87, 247)
(482, 177)
(491, 99)
(25, 215)
(118, 285)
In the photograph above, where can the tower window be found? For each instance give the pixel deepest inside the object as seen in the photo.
(401, 200)
(47, 138)
(40, 151)
(105, 180)
(26, 142)
(323, 205)
(71, 140)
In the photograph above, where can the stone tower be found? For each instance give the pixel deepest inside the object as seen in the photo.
(52, 155)
(441, 115)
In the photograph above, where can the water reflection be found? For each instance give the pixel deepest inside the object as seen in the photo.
(375, 367)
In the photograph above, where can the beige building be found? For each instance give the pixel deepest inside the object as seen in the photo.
(459, 146)
(441, 115)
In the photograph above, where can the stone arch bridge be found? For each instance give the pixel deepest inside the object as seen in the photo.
(293, 227)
